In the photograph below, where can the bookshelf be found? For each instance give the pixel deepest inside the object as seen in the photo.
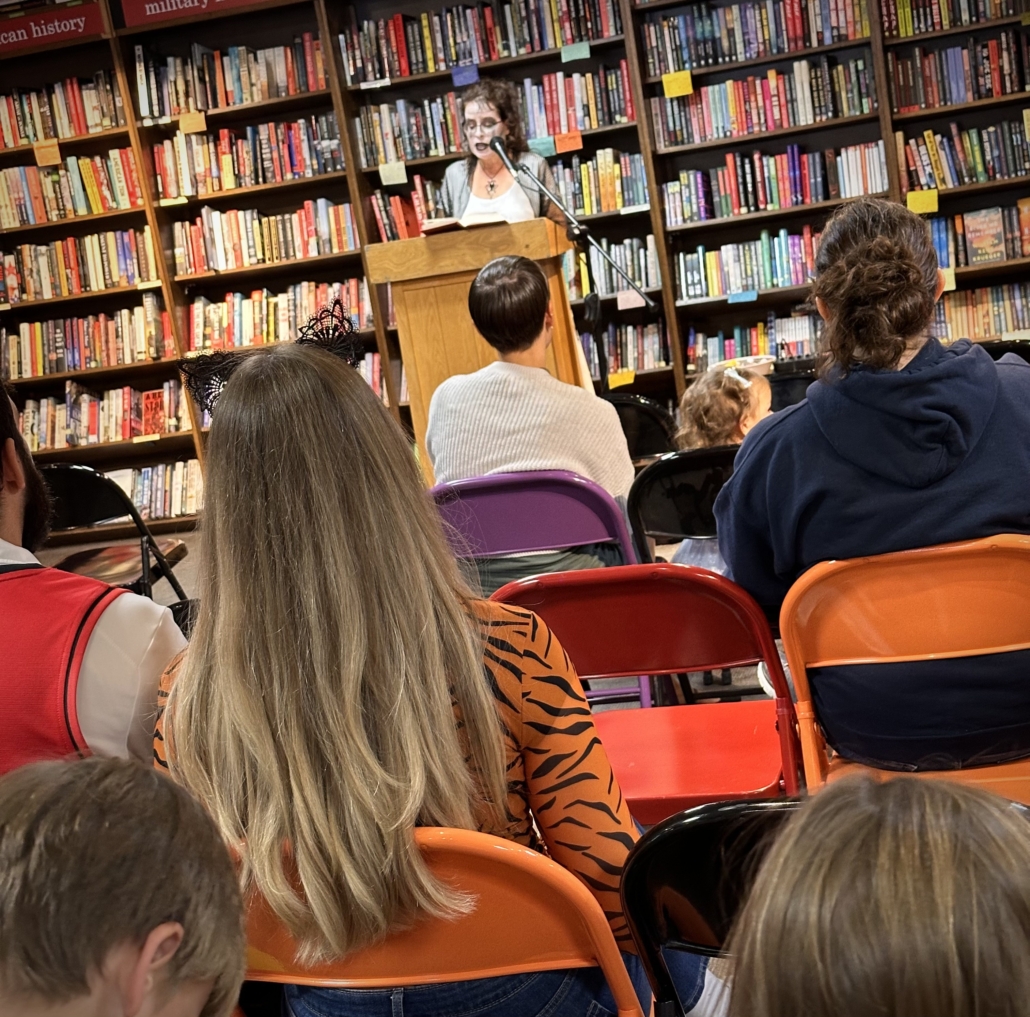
(762, 160)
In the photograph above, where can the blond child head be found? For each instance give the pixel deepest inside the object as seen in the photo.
(721, 406)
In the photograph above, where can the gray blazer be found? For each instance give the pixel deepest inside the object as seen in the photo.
(457, 185)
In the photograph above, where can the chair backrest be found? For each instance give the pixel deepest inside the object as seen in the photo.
(509, 513)
(83, 497)
(530, 914)
(673, 498)
(686, 879)
(791, 388)
(953, 600)
(658, 619)
(648, 426)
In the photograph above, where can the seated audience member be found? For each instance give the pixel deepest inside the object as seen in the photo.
(513, 416)
(907, 898)
(82, 660)
(718, 409)
(342, 687)
(119, 898)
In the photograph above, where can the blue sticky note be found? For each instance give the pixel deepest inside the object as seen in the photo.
(543, 146)
(744, 297)
(464, 75)
(577, 51)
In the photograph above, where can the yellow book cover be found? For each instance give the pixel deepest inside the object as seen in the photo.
(63, 286)
(863, 6)
(588, 84)
(905, 18)
(90, 183)
(228, 175)
(584, 177)
(37, 337)
(427, 43)
(935, 158)
(555, 21)
(617, 182)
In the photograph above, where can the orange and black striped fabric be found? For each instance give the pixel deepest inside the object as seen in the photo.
(563, 798)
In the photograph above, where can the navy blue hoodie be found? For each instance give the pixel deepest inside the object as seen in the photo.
(881, 461)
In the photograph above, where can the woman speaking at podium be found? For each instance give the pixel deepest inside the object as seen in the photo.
(480, 186)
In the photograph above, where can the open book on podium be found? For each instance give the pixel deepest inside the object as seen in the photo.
(431, 277)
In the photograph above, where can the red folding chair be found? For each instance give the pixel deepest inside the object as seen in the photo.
(671, 619)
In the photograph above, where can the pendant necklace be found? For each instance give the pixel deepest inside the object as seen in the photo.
(491, 182)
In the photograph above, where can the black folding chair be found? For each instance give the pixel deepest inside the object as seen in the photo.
(685, 881)
(82, 498)
(648, 426)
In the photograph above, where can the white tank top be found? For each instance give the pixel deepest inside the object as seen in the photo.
(512, 206)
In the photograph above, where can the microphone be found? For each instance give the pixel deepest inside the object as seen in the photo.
(497, 144)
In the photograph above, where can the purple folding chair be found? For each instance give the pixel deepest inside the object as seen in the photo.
(513, 513)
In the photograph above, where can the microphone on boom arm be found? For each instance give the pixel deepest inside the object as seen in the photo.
(497, 144)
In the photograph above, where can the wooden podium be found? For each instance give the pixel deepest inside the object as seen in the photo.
(431, 277)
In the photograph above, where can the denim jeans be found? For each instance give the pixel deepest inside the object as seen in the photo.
(582, 992)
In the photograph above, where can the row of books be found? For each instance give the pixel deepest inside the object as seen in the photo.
(988, 312)
(65, 109)
(397, 218)
(262, 317)
(608, 182)
(783, 338)
(89, 264)
(132, 335)
(905, 18)
(211, 79)
(973, 156)
(400, 46)
(78, 186)
(201, 164)
(577, 102)
(406, 130)
(628, 348)
(774, 261)
(813, 92)
(747, 184)
(83, 417)
(637, 257)
(371, 370)
(983, 237)
(165, 491)
(703, 36)
(985, 69)
(217, 241)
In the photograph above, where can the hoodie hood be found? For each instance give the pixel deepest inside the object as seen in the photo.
(912, 426)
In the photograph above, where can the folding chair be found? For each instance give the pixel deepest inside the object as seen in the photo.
(649, 427)
(669, 619)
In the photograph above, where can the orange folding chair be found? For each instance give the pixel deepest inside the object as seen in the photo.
(530, 915)
(952, 601)
(671, 619)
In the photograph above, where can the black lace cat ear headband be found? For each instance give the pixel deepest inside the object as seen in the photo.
(330, 329)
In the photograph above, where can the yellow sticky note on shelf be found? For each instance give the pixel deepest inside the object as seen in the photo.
(193, 123)
(47, 153)
(619, 378)
(1026, 122)
(678, 83)
(393, 173)
(922, 202)
(949, 279)
(1025, 19)
(146, 437)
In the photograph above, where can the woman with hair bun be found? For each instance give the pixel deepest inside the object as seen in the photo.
(902, 442)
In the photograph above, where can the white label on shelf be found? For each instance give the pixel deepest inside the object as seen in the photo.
(630, 209)
(150, 284)
(165, 202)
(625, 299)
(5, 307)
(1020, 335)
(379, 83)
(393, 173)
(164, 120)
(146, 437)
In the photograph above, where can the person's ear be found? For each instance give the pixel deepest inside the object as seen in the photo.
(13, 473)
(158, 949)
(820, 306)
(940, 286)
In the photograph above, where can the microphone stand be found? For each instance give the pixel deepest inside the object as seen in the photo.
(580, 235)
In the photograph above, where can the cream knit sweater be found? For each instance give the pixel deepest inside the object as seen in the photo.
(507, 418)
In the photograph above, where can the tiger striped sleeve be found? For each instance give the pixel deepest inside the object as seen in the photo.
(568, 781)
(167, 680)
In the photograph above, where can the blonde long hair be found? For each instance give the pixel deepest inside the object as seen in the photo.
(315, 710)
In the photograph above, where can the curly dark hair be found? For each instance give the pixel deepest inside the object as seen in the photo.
(505, 97)
(876, 271)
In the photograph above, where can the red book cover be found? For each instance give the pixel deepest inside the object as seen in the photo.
(756, 163)
(631, 110)
(995, 66)
(706, 111)
(301, 165)
(309, 59)
(398, 216)
(550, 104)
(491, 31)
(72, 261)
(154, 412)
(168, 343)
(606, 25)
(477, 27)
(311, 231)
(291, 73)
(806, 182)
(220, 81)
(36, 194)
(734, 185)
(379, 217)
(129, 172)
(783, 180)
(809, 247)
(77, 110)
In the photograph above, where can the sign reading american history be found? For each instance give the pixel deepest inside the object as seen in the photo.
(50, 24)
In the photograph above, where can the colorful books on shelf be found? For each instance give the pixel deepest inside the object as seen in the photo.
(65, 109)
(783, 338)
(988, 312)
(34, 349)
(408, 129)
(609, 182)
(629, 348)
(78, 186)
(396, 217)
(165, 491)
(774, 261)
(262, 317)
(637, 257)
(218, 241)
(704, 36)
(212, 79)
(402, 45)
(89, 264)
(759, 182)
(905, 18)
(84, 417)
(189, 165)
(986, 236)
(814, 91)
(984, 69)
(562, 102)
(371, 370)
(955, 158)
